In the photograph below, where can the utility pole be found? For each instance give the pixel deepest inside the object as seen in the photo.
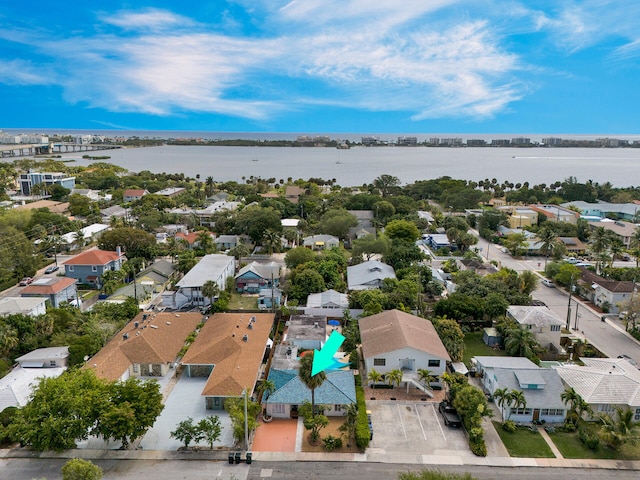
(246, 421)
(569, 305)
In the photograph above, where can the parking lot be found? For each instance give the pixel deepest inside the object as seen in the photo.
(413, 428)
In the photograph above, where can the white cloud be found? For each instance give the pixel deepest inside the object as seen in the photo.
(148, 19)
(23, 73)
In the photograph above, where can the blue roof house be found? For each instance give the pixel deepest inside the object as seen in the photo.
(336, 392)
(256, 276)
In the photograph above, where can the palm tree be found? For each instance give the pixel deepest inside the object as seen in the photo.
(426, 376)
(500, 397)
(635, 245)
(394, 376)
(520, 343)
(311, 381)
(271, 241)
(374, 377)
(548, 240)
(619, 430)
(516, 399)
(348, 428)
(599, 241)
(266, 388)
(210, 290)
(571, 398)
(205, 241)
(208, 186)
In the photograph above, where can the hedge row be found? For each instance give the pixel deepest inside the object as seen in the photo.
(362, 427)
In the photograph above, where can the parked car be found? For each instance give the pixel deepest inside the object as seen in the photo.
(450, 415)
(26, 281)
(548, 283)
(572, 260)
(52, 268)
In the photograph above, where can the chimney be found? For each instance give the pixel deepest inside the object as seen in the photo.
(119, 250)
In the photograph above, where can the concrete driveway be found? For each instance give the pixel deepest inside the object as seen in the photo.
(413, 428)
(184, 401)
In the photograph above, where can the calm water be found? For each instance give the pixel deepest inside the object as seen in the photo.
(620, 166)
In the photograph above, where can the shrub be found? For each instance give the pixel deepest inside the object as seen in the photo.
(362, 426)
(478, 447)
(331, 443)
(592, 442)
(569, 427)
(509, 426)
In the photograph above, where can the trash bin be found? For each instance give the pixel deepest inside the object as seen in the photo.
(238, 457)
(231, 457)
(248, 458)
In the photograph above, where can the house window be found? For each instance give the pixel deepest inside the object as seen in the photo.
(94, 268)
(379, 362)
(434, 363)
(555, 328)
(278, 408)
(544, 411)
(136, 368)
(70, 268)
(52, 363)
(337, 408)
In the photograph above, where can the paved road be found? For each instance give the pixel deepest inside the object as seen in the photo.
(603, 335)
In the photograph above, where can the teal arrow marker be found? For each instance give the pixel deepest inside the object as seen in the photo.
(323, 359)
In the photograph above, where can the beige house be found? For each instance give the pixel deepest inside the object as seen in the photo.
(147, 346)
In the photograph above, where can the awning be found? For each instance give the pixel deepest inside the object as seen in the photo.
(32, 364)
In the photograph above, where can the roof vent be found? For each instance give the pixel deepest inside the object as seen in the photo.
(315, 325)
(135, 324)
(252, 319)
(154, 326)
(168, 323)
(125, 336)
(245, 338)
(250, 326)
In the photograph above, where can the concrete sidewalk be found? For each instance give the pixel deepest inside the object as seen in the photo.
(370, 457)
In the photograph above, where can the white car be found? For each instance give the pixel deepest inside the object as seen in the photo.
(548, 283)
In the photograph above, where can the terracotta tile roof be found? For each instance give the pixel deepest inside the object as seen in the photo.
(51, 205)
(93, 257)
(132, 192)
(191, 237)
(52, 287)
(392, 330)
(145, 344)
(236, 362)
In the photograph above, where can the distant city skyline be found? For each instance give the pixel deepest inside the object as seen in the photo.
(357, 66)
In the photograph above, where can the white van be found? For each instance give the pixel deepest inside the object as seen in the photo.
(459, 367)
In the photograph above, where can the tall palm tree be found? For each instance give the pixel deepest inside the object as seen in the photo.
(500, 397)
(205, 241)
(394, 376)
(271, 241)
(210, 290)
(311, 381)
(619, 429)
(350, 422)
(266, 388)
(635, 245)
(516, 399)
(520, 343)
(374, 377)
(426, 376)
(548, 239)
(571, 398)
(599, 241)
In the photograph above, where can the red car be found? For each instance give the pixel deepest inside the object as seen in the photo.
(26, 281)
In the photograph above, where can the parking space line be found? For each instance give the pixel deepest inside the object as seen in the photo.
(401, 422)
(435, 412)
(420, 421)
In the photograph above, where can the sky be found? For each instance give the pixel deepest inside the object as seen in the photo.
(361, 66)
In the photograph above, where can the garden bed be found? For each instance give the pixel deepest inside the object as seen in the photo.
(524, 443)
(331, 429)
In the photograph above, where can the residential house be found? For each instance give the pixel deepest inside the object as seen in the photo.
(436, 241)
(84, 237)
(268, 298)
(520, 217)
(337, 392)
(170, 192)
(601, 209)
(55, 290)
(191, 239)
(606, 294)
(605, 383)
(545, 325)
(357, 233)
(115, 212)
(93, 195)
(320, 242)
(23, 306)
(54, 207)
(17, 386)
(28, 180)
(368, 275)
(365, 217)
(574, 245)
(49, 357)
(476, 266)
(485, 367)
(556, 213)
(133, 194)
(621, 229)
(257, 276)
(216, 268)
(308, 332)
(292, 193)
(88, 267)
(226, 242)
(229, 352)
(328, 303)
(394, 340)
(542, 389)
(148, 346)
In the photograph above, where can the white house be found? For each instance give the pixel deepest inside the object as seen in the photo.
(485, 367)
(368, 275)
(395, 340)
(50, 357)
(329, 303)
(214, 267)
(320, 242)
(605, 383)
(545, 325)
(25, 306)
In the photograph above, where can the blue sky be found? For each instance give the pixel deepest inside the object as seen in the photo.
(467, 66)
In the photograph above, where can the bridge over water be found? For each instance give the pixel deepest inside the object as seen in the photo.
(26, 150)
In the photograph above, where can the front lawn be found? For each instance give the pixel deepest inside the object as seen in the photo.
(570, 446)
(474, 346)
(524, 443)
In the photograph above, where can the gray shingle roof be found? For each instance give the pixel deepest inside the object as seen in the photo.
(547, 397)
(208, 268)
(534, 315)
(368, 273)
(338, 389)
